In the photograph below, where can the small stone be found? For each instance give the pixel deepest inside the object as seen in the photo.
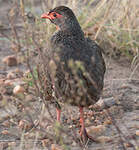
(124, 86)
(137, 132)
(11, 75)
(108, 122)
(104, 139)
(45, 142)
(29, 97)
(128, 145)
(12, 143)
(56, 147)
(17, 70)
(18, 89)
(8, 82)
(71, 126)
(107, 102)
(96, 129)
(5, 132)
(10, 61)
(24, 125)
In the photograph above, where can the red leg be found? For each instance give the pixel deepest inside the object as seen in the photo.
(58, 111)
(81, 120)
(83, 133)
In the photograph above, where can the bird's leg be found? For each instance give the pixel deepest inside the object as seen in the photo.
(83, 133)
(58, 111)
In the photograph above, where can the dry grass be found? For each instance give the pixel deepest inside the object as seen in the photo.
(113, 24)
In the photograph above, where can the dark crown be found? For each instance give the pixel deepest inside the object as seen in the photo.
(63, 9)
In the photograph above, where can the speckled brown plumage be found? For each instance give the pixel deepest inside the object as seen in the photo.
(70, 44)
(80, 67)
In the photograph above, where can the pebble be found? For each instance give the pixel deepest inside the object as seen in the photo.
(96, 129)
(104, 139)
(11, 143)
(106, 102)
(107, 122)
(29, 97)
(11, 75)
(5, 132)
(24, 125)
(56, 147)
(8, 82)
(45, 142)
(128, 145)
(137, 132)
(125, 86)
(10, 60)
(18, 89)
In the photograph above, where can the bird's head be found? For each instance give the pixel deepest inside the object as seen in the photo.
(63, 17)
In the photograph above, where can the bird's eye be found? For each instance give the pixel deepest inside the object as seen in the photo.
(54, 14)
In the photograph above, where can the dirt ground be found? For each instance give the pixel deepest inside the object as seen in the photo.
(121, 85)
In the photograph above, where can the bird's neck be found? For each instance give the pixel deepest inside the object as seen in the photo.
(68, 32)
(71, 32)
(71, 28)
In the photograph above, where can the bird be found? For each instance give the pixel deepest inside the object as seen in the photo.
(80, 66)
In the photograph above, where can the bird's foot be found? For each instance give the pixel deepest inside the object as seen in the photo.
(85, 137)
